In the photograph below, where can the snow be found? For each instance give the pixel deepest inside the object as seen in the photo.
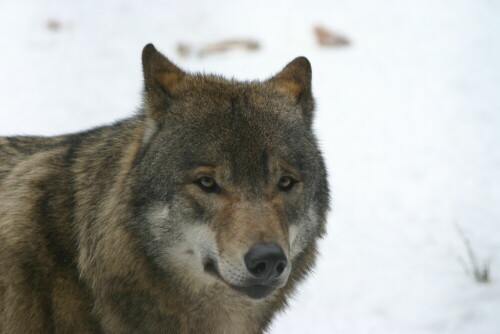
(408, 118)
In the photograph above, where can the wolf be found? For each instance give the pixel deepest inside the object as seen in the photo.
(201, 213)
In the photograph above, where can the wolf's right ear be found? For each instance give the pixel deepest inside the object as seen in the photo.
(295, 80)
(160, 78)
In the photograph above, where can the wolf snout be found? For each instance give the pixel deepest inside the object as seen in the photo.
(265, 261)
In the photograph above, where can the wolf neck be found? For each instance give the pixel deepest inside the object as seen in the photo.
(120, 276)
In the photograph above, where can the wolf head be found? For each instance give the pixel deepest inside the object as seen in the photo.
(230, 186)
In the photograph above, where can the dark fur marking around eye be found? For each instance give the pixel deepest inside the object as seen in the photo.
(207, 184)
(286, 183)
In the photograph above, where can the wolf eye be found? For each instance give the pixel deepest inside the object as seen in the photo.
(207, 184)
(286, 183)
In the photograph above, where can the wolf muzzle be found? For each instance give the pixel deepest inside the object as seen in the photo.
(265, 265)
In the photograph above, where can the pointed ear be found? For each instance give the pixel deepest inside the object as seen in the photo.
(160, 78)
(295, 79)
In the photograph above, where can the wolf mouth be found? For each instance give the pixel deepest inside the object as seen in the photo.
(211, 268)
(254, 291)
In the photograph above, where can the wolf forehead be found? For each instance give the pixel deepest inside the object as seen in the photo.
(235, 115)
(244, 123)
(214, 101)
(236, 105)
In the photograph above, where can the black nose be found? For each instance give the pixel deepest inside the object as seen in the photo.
(265, 261)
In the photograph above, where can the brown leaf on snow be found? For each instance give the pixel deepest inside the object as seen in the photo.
(53, 25)
(56, 25)
(185, 50)
(325, 37)
(224, 46)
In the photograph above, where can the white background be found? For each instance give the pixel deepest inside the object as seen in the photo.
(408, 118)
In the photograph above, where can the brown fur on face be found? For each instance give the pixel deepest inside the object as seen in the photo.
(240, 221)
(104, 231)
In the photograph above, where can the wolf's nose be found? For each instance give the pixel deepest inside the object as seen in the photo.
(266, 261)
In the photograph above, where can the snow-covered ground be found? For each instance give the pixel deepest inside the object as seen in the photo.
(408, 117)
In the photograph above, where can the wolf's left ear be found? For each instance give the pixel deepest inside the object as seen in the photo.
(295, 79)
(161, 77)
